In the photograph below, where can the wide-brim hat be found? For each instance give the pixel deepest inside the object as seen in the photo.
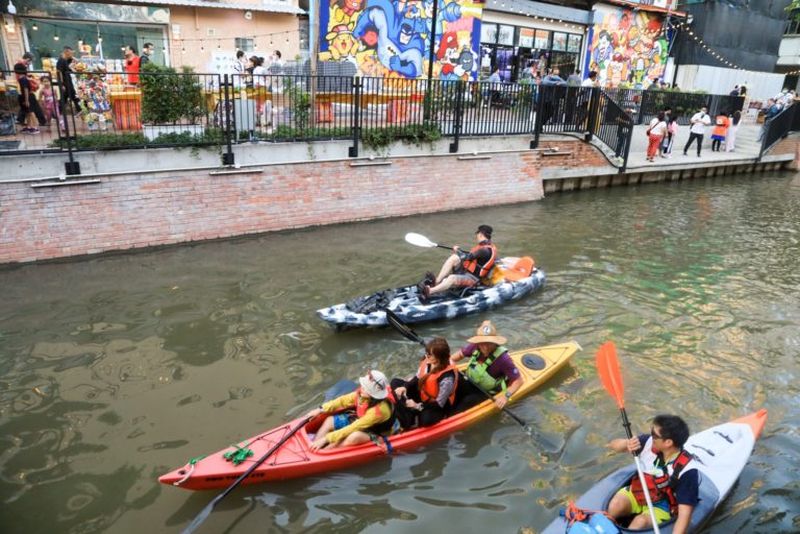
(374, 384)
(487, 333)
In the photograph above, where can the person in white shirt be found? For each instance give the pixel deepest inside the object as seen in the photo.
(591, 80)
(655, 134)
(699, 121)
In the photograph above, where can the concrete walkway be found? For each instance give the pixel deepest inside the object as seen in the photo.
(747, 148)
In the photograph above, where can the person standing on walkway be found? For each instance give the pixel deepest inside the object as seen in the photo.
(26, 99)
(720, 131)
(772, 109)
(132, 65)
(68, 94)
(699, 121)
(147, 51)
(35, 108)
(655, 134)
(669, 139)
(730, 139)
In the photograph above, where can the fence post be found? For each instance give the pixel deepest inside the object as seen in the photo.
(537, 121)
(227, 158)
(594, 110)
(352, 152)
(71, 167)
(459, 114)
(627, 145)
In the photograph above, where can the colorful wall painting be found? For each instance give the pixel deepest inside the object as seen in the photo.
(391, 38)
(627, 47)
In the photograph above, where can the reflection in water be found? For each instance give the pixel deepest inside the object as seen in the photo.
(114, 369)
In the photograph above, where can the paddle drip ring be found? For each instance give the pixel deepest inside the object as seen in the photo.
(534, 362)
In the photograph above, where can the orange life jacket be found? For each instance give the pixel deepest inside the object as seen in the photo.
(429, 382)
(662, 486)
(364, 405)
(472, 267)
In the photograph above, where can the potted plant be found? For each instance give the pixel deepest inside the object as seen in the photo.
(172, 102)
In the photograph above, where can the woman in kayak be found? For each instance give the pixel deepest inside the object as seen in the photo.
(357, 416)
(428, 397)
(671, 477)
(463, 269)
(490, 368)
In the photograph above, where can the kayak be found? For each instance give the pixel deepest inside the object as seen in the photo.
(721, 453)
(294, 458)
(405, 303)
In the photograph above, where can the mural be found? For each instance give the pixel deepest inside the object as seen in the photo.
(391, 38)
(627, 47)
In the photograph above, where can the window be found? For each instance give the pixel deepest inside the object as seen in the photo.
(542, 40)
(245, 44)
(488, 33)
(574, 44)
(506, 35)
(793, 25)
(526, 37)
(559, 41)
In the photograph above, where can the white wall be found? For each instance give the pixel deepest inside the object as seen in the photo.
(717, 80)
(789, 52)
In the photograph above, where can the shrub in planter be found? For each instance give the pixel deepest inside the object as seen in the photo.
(169, 98)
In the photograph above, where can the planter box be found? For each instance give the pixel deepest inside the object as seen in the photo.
(152, 131)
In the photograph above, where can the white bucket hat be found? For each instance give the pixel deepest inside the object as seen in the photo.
(374, 384)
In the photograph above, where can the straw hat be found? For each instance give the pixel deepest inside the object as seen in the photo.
(374, 384)
(487, 333)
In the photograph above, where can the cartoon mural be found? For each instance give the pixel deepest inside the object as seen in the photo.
(391, 38)
(627, 47)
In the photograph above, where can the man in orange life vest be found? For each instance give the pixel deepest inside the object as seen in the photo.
(671, 477)
(463, 269)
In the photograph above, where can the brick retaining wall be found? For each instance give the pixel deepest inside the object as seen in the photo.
(46, 220)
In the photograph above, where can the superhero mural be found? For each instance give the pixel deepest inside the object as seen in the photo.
(627, 47)
(391, 38)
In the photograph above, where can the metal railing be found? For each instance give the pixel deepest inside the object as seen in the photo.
(644, 105)
(776, 128)
(110, 110)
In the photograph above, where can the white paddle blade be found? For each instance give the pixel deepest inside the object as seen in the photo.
(419, 240)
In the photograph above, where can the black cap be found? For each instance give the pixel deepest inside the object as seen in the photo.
(486, 230)
(27, 55)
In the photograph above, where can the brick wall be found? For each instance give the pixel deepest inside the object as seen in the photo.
(149, 209)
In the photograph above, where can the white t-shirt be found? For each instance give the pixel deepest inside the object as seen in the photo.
(588, 82)
(699, 122)
(658, 127)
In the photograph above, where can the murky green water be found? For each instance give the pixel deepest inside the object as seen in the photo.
(114, 370)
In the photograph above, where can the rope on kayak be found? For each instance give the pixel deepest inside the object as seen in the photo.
(240, 454)
(191, 463)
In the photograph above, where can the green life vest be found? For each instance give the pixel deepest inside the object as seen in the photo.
(477, 372)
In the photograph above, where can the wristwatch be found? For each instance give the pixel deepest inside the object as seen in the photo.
(508, 395)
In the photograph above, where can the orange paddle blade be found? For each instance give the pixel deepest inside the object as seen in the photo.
(608, 369)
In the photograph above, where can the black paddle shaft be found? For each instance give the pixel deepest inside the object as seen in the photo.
(627, 425)
(408, 333)
(203, 515)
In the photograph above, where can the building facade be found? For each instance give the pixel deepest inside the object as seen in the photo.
(202, 34)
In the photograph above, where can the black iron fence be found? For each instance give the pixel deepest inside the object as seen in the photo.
(777, 128)
(644, 105)
(112, 110)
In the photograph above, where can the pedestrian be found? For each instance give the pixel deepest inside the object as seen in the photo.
(574, 79)
(771, 110)
(26, 98)
(591, 79)
(655, 134)
(68, 93)
(697, 131)
(730, 139)
(669, 139)
(735, 91)
(719, 132)
(277, 60)
(745, 100)
(47, 101)
(132, 65)
(147, 51)
(35, 108)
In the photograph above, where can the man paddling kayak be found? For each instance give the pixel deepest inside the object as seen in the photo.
(490, 368)
(463, 269)
(670, 474)
(357, 416)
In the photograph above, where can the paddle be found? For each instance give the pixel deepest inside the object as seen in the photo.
(610, 376)
(420, 240)
(408, 333)
(342, 387)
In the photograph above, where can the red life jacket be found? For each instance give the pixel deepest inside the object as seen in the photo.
(662, 486)
(363, 407)
(481, 271)
(429, 382)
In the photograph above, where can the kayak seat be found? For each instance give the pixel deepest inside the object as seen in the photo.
(520, 269)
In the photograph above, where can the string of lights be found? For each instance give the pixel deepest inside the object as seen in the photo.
(710, 51)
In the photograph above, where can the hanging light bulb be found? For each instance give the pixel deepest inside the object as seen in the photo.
(55, 37)
(35, 27)
(99, 39)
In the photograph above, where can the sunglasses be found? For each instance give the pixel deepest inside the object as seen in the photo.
(654, 435)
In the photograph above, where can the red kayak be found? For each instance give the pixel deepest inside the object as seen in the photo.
(294, 459)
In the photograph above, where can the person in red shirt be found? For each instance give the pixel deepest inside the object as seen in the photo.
(132, 65)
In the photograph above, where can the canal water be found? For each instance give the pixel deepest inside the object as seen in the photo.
(116, 369)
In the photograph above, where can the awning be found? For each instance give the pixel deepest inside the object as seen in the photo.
(267, 7)
(539, 9)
